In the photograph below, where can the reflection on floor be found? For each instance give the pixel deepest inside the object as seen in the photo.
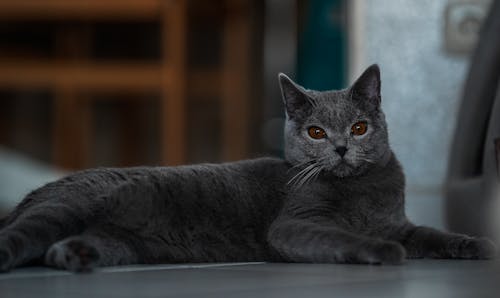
(416, 278)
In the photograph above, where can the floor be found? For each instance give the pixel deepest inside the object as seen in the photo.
(416, 278)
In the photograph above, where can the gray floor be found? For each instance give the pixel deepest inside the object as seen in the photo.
(417, 278)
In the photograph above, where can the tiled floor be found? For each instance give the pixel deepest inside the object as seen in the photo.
(417, 278)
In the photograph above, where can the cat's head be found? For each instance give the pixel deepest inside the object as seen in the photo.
(339, 132)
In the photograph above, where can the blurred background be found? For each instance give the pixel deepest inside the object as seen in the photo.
(90, 83)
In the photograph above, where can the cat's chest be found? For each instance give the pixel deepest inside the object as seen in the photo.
(360, 208)
(352, 200)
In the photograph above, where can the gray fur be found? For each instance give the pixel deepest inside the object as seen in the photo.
(314, 206)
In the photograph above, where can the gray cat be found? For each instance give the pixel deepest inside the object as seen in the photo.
(337, 197)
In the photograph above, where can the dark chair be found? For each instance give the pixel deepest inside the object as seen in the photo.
(473, 172)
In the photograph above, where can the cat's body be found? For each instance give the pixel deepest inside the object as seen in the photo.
(165, 214)
(338, 196)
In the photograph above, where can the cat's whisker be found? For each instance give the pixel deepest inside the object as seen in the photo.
(299, 177)
(317, 161)
(307, 174)
(301, 164)
(317, 173)
(301, 173)
(307, 177)
(365, 156)
(311, 175)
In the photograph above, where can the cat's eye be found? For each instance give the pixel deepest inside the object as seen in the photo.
(359, 128)
(316, 132)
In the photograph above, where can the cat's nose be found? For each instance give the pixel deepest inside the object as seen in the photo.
(341, 150)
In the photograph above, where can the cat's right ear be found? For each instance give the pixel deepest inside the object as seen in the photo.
(367, 86)
(297, 103)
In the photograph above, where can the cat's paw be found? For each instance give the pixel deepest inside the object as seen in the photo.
(473, 248)
(383, 252)
(72, 254)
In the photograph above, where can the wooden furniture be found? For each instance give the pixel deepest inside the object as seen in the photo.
(71, 77)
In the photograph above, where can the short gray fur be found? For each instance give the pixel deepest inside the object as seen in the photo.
(317, 205)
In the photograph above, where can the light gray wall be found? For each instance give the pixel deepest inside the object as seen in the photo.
(421, 83)
(421, 87)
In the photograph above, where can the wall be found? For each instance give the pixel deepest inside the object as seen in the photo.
(421, 87)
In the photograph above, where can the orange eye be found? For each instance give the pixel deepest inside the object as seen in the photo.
(359, 128)
(316, 132)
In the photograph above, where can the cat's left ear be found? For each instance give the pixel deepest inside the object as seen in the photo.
(297, 102)
(367, 86)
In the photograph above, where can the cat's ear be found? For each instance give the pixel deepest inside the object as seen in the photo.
(297, 103)
(367, 86)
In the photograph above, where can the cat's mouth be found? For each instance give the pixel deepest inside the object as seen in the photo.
(344, 164)
(342, 168)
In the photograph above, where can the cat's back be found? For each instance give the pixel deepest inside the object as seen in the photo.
(257, 170)
(250, 181)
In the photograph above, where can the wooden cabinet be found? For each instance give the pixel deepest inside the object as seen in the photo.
(73, 75)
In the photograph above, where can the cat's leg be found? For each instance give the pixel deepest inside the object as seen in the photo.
(28, 237)
(303, 241)
(422, 242)
(96, 248)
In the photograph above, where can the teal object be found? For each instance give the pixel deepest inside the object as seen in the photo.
(322, 61)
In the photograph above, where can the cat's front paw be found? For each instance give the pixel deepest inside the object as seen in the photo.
(383, 252)
(72, 254)
(473, 248)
